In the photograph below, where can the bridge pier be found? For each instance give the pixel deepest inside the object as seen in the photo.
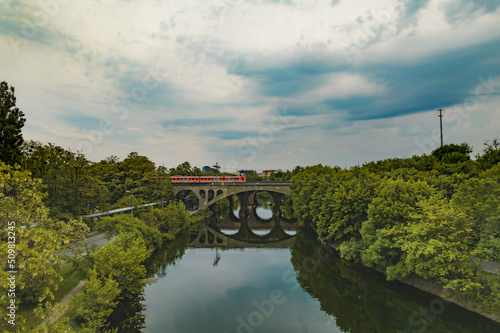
(243, 196)
(277, 203)
(253, 199)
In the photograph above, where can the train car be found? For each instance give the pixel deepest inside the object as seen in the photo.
(208, 179)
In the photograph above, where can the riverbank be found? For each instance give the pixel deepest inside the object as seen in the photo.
(435, 289)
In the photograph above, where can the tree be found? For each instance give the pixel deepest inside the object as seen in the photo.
(173, 218)
(438, 245)
(183, 169)
(121, 259)
(70, 186)
(453, 153)
(128, 224)
(344, 207)
(36, 249)
(480, 199)
(11, 122)
(491, 154)
(138, 176)
(308, 187)
(94, 304)
(393, 208)
(38, 263)
(21, 198)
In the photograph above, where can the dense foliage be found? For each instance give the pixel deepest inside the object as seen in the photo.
(11, 122)
(435, 217)
(40, 202)
(76, 186)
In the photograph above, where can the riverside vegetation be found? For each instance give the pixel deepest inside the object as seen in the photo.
(47, 227)
(434, 217)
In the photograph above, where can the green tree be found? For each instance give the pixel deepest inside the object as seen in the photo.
(308, 188)
(139, 177)
(438, 245)
(36, 249)
(71, 189)
(345, 206)
(480, 199)
(491, 154)
(21, 198)
(128, 224)
(11, 122)
(183, 169)
(38, 260)
(173, 218)
(96, 301)
(453, 153)
(391, 210)
(489, 245)
(122, 260)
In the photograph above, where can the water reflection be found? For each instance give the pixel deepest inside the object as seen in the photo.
(216, 276)
(129, 315)
(361, 300)
(244, 232)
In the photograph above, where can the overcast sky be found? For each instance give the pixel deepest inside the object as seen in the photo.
(254, 84)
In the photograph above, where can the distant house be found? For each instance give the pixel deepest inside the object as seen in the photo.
(269, 173)
(207, 169)
(243, 172)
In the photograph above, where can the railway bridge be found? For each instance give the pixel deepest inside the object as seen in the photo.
(209, 194)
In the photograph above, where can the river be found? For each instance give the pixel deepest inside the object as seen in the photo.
(254, 276)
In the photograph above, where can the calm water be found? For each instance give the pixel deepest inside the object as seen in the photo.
(222, 286)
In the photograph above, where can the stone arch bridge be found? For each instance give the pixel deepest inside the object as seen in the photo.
(209, 194)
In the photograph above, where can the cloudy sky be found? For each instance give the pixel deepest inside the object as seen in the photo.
(254, 84)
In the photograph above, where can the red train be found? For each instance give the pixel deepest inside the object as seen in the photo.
(208, 179)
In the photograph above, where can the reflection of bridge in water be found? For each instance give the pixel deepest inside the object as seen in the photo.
(255, 221)
(210, 236)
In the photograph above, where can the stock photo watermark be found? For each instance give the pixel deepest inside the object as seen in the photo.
(367, 33)
(485, 89)
(31, 25)
(11, 280)
(251, 146)
(265, 308)
(425, 316)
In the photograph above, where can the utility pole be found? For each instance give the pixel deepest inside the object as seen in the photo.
(440, 115)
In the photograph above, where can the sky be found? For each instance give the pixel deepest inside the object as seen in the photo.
(263, 84)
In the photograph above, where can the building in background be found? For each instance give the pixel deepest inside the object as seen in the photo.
(243, 172)
(269, 173)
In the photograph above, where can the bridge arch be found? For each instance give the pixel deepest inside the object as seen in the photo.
(209, 194)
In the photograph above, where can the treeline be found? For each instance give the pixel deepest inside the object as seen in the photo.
(112, 272)
(429, 216)
(44, 189)
(115, 271)
(77, 186)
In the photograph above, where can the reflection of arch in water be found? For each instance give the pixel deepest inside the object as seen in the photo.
(289, 221)
(255, 215)
(211, 236)
(231, 222)
(246, 234)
